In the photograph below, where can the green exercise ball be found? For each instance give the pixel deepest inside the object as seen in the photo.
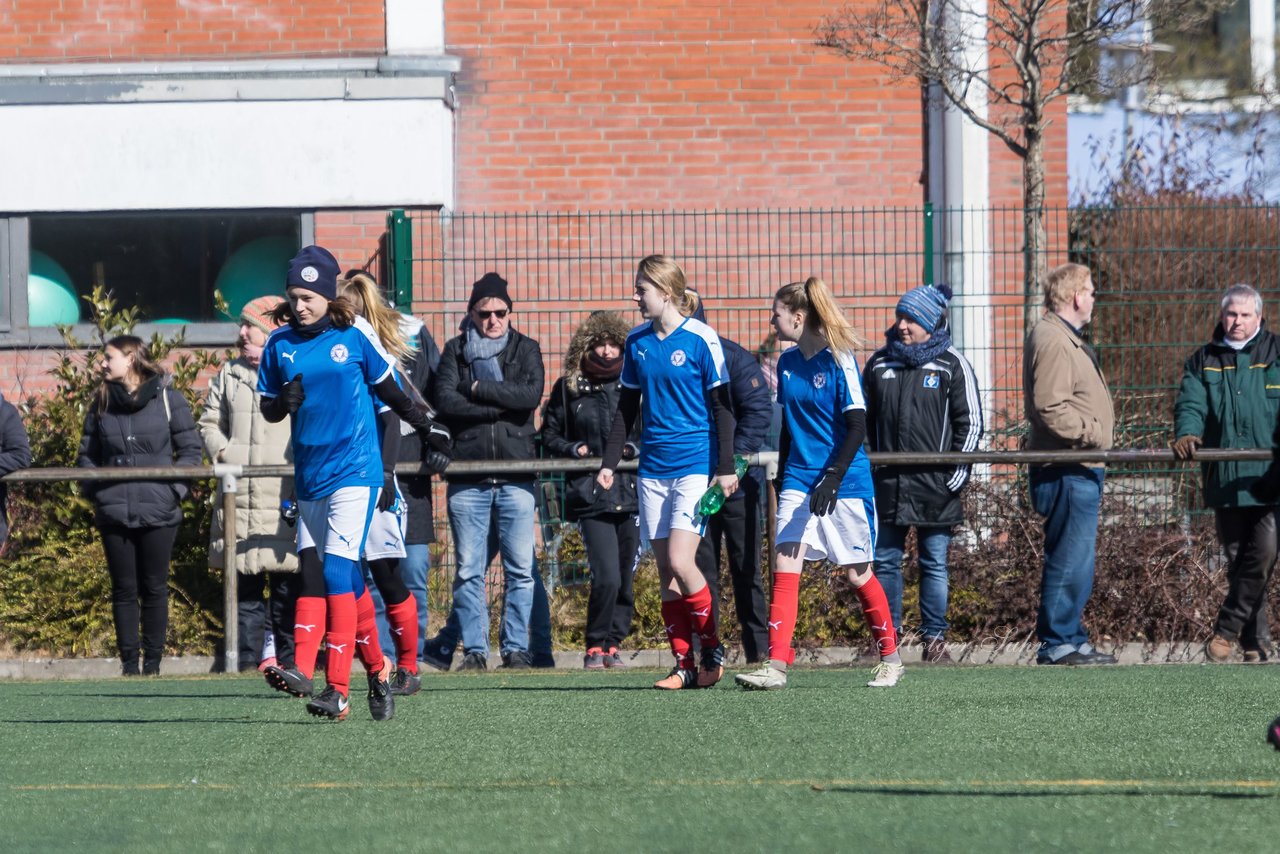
(51, 298)
(255, 269)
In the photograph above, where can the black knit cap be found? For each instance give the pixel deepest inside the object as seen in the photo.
(315, 269)
(489, 285)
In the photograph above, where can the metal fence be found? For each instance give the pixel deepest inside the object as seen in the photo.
(1158, 271)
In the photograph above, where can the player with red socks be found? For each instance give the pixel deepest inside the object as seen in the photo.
(385, 543)
(673, 377)
(826, 500)
(336, 472)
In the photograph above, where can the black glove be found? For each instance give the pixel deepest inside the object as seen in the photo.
(630, 451)
(387, 498)
(823, 498)
(437, 462)
(292, 395)
(436, 436)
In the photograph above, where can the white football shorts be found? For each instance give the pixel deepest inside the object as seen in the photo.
(845, 536)
(670, 503)
(337, 524)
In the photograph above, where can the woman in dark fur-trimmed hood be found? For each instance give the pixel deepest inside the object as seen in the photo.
(576, 424)
(600, 326)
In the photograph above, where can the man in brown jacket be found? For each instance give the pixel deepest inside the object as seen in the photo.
(1069, 408)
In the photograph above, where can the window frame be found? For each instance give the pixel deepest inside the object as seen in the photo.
(15, 267)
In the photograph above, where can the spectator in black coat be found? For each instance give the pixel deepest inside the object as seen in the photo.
(15, 453)
(738, 524)
(576, 424)
(137, 421)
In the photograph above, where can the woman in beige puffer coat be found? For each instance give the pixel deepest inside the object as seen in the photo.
(235, 431)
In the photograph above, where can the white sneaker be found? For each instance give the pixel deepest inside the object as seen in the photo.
(887, 674)
(767, 678)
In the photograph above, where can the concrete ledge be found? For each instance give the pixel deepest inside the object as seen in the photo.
(1188, 652)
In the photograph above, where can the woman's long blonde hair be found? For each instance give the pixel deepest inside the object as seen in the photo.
(359, 289)
(822, 314)
(668, 277)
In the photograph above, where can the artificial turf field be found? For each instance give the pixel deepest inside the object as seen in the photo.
(1167, 758)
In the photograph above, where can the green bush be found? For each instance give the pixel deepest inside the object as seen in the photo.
(55, 594)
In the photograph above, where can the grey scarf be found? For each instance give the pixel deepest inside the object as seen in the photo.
(482, 353)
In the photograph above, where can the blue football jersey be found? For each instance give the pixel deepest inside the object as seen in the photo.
(674, 375)
(335, 433)
(814, 394)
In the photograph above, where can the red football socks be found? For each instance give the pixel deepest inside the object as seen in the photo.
(675, 615)
(784, 604)
(308, 631)
(403, 617)
(702, 617)
(367, 645)
(341, 638)
(876, 609)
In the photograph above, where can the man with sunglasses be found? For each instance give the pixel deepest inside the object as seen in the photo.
(487, 388)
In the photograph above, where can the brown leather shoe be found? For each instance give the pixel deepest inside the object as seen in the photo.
(936, 652)
(1217, 649)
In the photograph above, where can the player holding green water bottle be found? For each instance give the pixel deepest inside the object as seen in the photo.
(673, 375)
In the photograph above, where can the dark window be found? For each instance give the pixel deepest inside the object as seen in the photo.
(168, 264)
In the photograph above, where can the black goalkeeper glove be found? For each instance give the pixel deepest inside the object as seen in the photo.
(824, 496)
(437, 437)
(437, 462)
(387, 499)
(292, 395)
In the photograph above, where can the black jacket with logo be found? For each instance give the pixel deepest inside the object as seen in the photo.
(934, 407)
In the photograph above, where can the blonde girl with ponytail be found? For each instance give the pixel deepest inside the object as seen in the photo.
(826, 500)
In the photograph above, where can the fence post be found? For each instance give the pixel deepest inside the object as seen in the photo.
(927, 273)
(230, 582)
(400, 266)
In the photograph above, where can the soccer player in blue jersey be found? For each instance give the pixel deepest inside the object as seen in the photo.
(826, 500)
(385, 540)
(673, 377)
(338, 472)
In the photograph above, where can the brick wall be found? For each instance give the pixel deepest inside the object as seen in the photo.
(352, 236)
(127, 30)
(678, 104)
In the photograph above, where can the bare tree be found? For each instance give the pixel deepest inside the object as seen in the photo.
(1036, 52)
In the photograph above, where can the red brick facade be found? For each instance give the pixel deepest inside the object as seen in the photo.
(133, 30)
(576, 104)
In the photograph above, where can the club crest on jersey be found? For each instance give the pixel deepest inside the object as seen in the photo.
(931, 380)
(339, 353)
(819, 380)
(309, 274)
(678, 358)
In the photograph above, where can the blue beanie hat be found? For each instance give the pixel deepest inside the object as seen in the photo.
(925, 305)
(314, 269)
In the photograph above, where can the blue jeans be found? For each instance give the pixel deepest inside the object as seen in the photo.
(472, 509)
(933, 543)
(413, 570)
(1068, 498)
(539, 623)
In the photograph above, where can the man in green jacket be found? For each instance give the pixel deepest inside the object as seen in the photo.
(1229, 398)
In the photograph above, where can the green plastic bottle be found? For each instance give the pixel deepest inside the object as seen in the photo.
(713, 499)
